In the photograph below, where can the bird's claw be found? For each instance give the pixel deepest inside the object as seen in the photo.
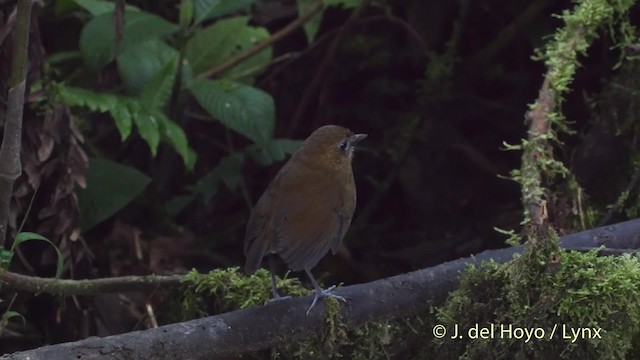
(325, 293)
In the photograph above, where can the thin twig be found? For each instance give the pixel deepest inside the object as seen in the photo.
(37, 285)
(324, 65)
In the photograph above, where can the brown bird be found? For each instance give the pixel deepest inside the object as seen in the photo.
(307, 208)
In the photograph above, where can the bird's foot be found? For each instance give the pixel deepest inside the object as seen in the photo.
(325, 293)
(276, 299)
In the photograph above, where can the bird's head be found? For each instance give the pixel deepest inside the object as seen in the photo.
(331, 143)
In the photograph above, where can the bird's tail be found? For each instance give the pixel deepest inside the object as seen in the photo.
(255, 254)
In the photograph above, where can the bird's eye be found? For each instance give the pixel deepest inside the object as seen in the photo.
(344, 145)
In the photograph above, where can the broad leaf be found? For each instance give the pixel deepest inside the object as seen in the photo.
(157, 92)
(210, 9)
(173, 134)
(242, 108)
(224, 39)
(103, 102)
(152, 124)
(99, 7)
(140, 64)
(97, 39)
(110, 187)
(148, 124)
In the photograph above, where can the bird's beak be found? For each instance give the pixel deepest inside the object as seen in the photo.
(355, 138)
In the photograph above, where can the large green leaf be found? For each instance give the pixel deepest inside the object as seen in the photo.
(99, 7)
(139, 65)
(152, 124)
(103, 102)
(210, 9)
(224, 39)
(173, 134)
(227, 172)
(148, 125)
(156, 92)
(110, 187)
(242, 108)
(97, 39)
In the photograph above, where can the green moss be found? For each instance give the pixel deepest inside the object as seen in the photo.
(540, 171)
(546, 290)
(575, 291)
(231, 289)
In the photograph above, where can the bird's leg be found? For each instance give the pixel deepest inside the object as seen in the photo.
(321, 293)
(274, 288)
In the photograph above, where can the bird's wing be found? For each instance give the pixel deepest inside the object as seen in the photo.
(256, 221)
(345, 214)
(310, 224)
(259, 233)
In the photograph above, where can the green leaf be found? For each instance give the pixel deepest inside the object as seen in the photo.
(186, 13)
(311, 26)
(123, 119)
(272, 151)
(8, 315)
(173, 134)
(5, 258)
(140, 64)
(178, 203)
(224, 39)
(151, 122)
(97, 39)
(99, 7)
(23, 237)
(118, 107)
(63, 6)
(347, 4)
(157, 92)
(211, 9)
(74, 96)
(242, 108)
(148, 125)
(202, 7)
(227, 171)
(110, 187)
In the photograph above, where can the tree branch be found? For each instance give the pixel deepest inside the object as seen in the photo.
(38, 285)
(262, 327)
(10, 166)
